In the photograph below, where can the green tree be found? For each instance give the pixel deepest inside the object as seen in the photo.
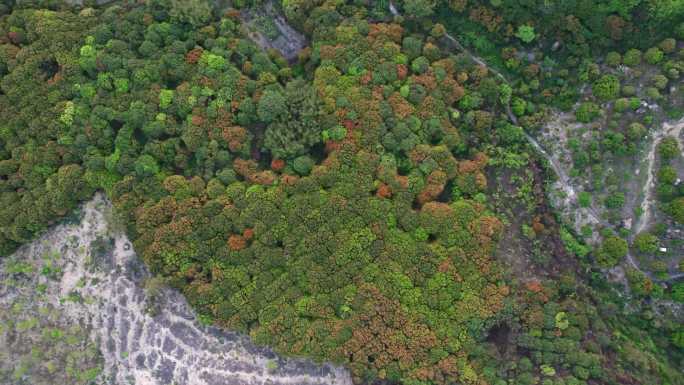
(646, 243)
(525, 33)
(668, 148)
(615, 200)
(611, 251)
(300, 126)
(193, 12)
(303, 165)
(146, 166)
(272, 106)
(587, 112)
(419, 8)
(653, 55)
(676, 209)
(632, 57)
(607, 87)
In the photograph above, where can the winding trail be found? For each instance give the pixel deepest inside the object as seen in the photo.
(673, 129)
(648, 201)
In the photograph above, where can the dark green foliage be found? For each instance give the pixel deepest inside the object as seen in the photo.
(668, 148)
(587, 112)
(611, 251)
(653, 55)
(615, 200)
(193, 12)
(272, 106)
(632, 57)
(303, 165)
(607, 87)
(418, 8)
(646, 243)
(676, 209)
(295, 127)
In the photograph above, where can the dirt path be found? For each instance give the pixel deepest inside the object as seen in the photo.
(673, 129)
(648, 201)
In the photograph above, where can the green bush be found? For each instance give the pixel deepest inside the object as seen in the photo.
(272, 106)
(653, 55)
(146, 166)
(659, 81)
(646, 243)
(584, 199)
(668, 148)
(636, 131)
(676, 209)
(611, 251)
(607, 87)
(587, 112)
(629, 90)
(615, 200)
(525, 33)
(165, 98)
(632, 57)
(622, 105)
(678, 292)
(613, 59)
(303, 165)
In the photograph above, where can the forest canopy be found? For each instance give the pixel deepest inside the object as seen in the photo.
(345, 206)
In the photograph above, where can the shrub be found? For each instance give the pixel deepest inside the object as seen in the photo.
(146, 166)
(632, 57)
(212, 61)
(165, 98)
(584, 199)
(622, 105)
(646, 243)
(525, 33)
(518, 106)
(668, 45)
(419, 8)
(659, 81)
(679, 31)
(629, 90)
(587, 112)
(613, 59)
(678, 292)
(272, 105)
(121, 85)
(653, 55)
(303, 165)
(653, 93)
(611, 251)
(668, 148)
(420, 65)
(667, 175)
(636, 131)
(607, 87)
(615, 200)
(676, 209)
